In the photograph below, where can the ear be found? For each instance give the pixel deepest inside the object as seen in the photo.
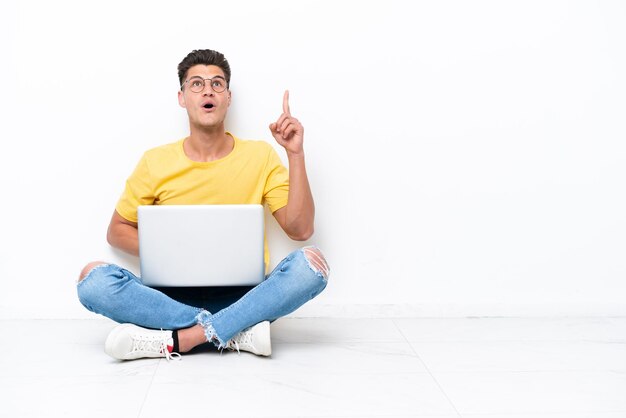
(181, 99)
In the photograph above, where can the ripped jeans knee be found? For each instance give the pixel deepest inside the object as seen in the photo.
(89, 267)
(316, 260)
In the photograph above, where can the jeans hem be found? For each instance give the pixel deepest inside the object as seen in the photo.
(204, 320)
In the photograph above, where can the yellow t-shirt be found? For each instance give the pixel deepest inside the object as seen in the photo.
(251, 174)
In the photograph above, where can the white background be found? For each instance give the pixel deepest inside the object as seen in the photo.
(467, 158)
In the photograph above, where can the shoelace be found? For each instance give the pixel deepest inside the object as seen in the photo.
(243, 339)
(153, 344)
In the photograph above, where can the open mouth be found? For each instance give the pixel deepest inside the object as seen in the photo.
(208, 106)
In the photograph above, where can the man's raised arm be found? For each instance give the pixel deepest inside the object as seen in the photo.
(297, 218)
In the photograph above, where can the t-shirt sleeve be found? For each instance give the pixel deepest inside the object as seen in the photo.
(138, 191)
(276, 190)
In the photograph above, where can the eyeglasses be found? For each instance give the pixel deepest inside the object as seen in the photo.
(197, 84)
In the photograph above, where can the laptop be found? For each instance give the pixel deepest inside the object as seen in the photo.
(201, 245)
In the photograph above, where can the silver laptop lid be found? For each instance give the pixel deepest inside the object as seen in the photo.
(201, 245)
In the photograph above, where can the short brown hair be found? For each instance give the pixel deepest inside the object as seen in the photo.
(203, 57)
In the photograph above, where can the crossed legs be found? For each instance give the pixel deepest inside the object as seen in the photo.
(117, 294)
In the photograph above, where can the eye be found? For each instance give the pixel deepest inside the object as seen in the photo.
(218, 83)
(197, 83)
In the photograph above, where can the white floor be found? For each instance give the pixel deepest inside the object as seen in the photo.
(478, 368)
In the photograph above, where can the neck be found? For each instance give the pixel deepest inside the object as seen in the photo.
(208, 144)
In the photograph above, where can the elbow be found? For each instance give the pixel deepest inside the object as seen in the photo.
(110, 237)
(302, 235)
(113, 235)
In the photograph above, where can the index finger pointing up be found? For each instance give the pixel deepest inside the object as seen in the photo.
(286, 103)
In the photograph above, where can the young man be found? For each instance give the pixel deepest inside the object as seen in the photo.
(210, 166)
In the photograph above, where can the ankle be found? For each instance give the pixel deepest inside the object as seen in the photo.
(189, 338)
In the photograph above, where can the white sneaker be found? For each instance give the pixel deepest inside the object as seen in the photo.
(130, 342)
(255, 339)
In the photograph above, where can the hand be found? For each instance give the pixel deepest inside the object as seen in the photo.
(287, 130)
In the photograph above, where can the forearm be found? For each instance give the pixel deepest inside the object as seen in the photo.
(124, 237)
(297, 218)
(300, 209)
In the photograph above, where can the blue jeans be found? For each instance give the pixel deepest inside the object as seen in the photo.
(118, 294)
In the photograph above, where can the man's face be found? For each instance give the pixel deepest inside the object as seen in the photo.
(206, 108)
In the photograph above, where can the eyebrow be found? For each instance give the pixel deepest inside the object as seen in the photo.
(208, 78)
